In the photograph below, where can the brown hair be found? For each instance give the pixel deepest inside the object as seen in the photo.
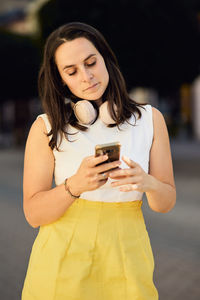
(53, 93)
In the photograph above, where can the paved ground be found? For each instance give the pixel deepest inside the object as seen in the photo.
(175, 236)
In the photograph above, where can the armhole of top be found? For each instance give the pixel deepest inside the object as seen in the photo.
(46, 122)
(149, 113)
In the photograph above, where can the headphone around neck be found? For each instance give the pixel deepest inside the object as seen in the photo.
(86, 114)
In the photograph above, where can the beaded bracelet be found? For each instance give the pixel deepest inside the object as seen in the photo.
(67, 189)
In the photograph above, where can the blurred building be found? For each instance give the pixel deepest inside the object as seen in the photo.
(20, 16)
(181, 110)
(148, 95)
(196, 107)
(8, 5)
(145, 95)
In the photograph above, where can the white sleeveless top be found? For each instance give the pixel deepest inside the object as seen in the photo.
(135, 142)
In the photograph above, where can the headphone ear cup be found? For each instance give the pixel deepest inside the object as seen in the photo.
(85, 112)
(105, 115)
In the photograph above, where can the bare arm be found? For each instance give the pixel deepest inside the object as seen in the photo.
(42, 203)
(162, 196)
(159, 183)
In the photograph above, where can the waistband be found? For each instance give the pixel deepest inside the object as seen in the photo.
(89, 203)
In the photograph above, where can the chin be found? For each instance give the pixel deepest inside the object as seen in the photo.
(94, 96)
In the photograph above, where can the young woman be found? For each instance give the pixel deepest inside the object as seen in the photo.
(92, 242)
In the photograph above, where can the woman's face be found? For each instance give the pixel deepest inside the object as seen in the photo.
(82, 68)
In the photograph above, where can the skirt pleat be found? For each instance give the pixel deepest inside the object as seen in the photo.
(96, 250)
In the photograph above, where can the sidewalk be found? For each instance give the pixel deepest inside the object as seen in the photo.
(174, 236)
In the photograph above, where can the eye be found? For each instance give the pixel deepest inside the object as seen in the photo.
(70, 74)
(91, 64)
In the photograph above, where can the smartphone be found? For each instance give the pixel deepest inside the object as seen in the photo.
(111, 149)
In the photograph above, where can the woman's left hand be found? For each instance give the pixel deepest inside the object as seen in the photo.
(131, 179)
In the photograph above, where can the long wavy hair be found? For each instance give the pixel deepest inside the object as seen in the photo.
(53, 93)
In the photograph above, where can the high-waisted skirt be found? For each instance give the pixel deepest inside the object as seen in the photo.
(95, 251)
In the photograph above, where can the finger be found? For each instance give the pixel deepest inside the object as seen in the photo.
(93, 161)
(122, 173)
(129, 187)
(129, 162)
(108, 166)
(102, 176)
(102, 182)
(127, 180)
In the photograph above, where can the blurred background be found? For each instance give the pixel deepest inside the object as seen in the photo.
(157, 44)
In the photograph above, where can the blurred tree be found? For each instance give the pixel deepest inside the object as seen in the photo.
(156, 42)
(19, 60)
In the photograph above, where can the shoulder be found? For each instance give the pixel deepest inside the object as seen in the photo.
(149, 109)
(159, 124)
(153, 113)
(154, 120)
(38, 125)
(157, 115)
(146, 116)
(37, 140)
(145, 110)
(38, 131)
(158, 118)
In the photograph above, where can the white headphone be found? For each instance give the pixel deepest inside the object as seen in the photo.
(86, 113)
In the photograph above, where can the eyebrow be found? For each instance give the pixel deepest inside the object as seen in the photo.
(69, 66)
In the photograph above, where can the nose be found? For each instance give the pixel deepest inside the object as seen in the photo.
(86, 75)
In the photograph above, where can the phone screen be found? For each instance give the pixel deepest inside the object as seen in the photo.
(111, 149)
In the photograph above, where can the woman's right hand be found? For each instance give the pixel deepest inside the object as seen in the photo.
(90, 175)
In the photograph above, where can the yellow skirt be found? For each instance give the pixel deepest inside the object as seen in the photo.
(95, 251)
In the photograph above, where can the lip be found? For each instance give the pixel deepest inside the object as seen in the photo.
(92, 86)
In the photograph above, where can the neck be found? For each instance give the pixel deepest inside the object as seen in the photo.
(98, 102)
